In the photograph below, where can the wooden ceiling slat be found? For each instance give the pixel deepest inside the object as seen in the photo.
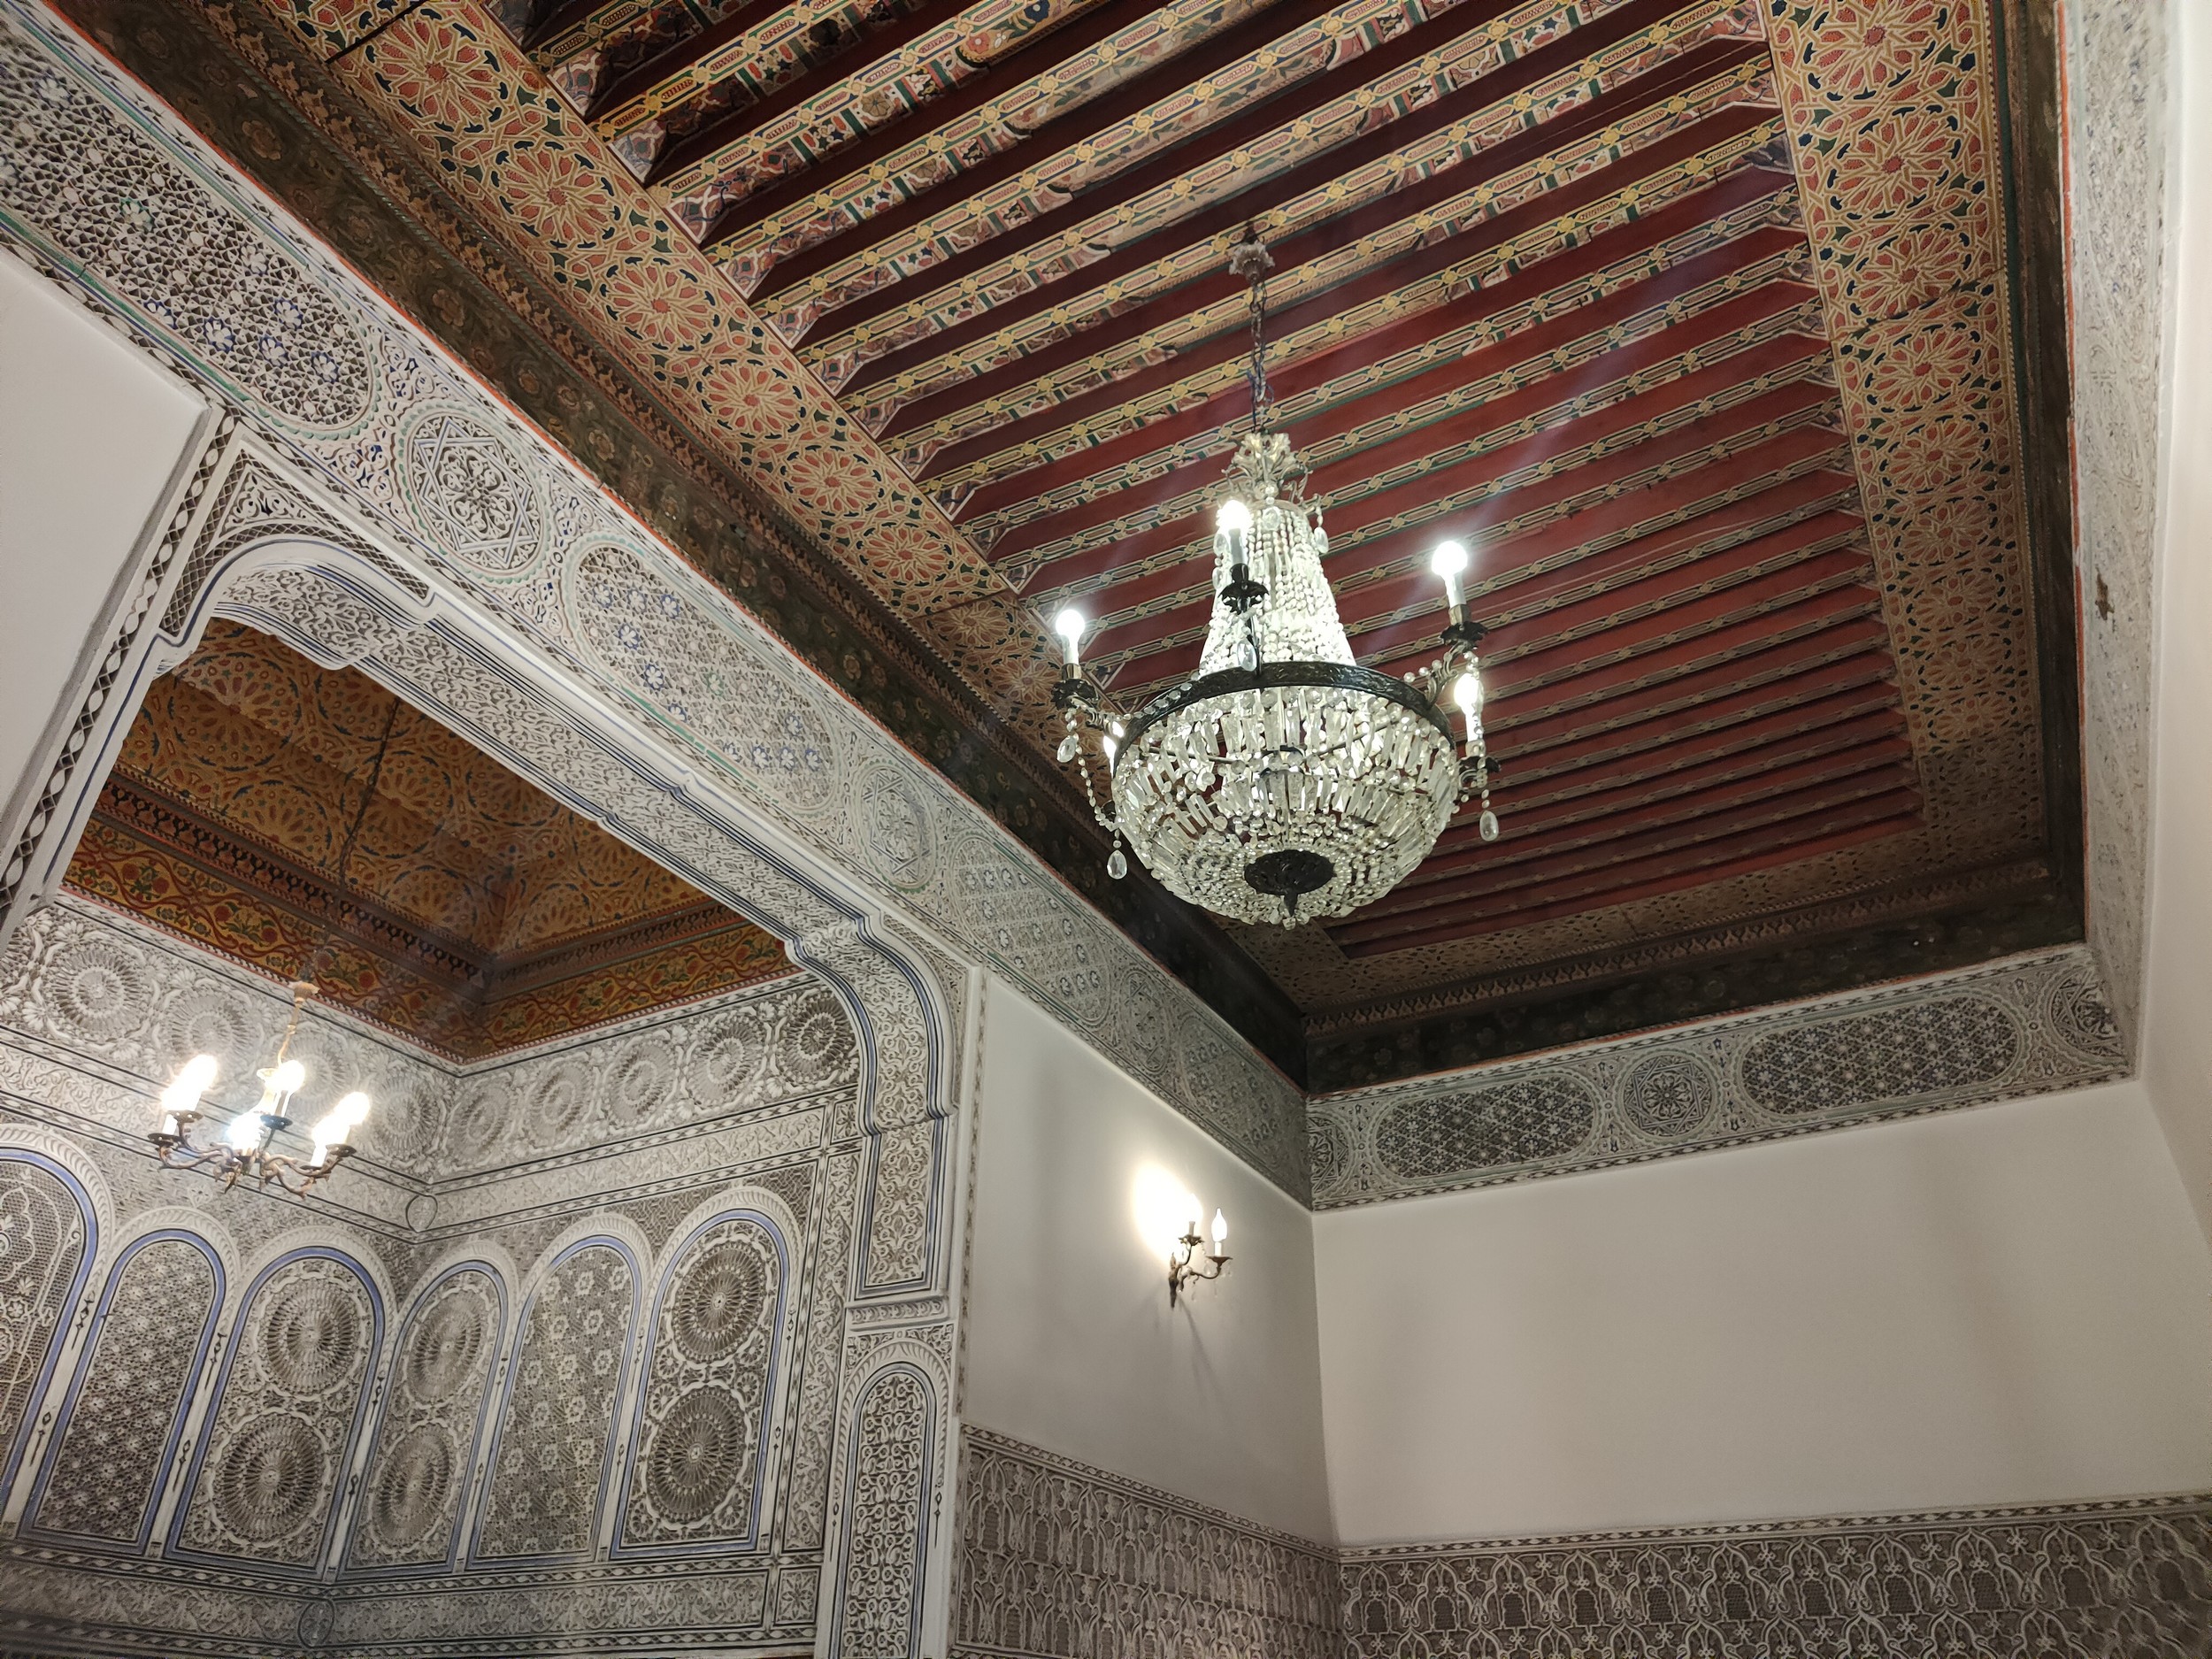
(1202, 149)
(1062, 132)
(1005, 381)
(1883, 791)
(1786, 659)
(1471, 868)
(1631, 507)
(1710, 757)
(1315, 367)
(735, 25)
(1315, 427)
(1744, 855)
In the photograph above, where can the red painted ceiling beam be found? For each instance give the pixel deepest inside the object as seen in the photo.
(1016, 485)
(742, 19)
(1317, 367)
(1742, 855)
(1593, 868)
(1851, 685)
(1006, 380)
(1717, 552)
(1539, 401)
(1712, 758)
(1684, 695)
(1631, 507)
(1035, 55)
(1079, 125)
(1545, 840)
(1113, 195)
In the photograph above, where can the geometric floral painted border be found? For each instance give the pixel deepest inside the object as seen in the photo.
(2022, 1027)
(2071, 1581)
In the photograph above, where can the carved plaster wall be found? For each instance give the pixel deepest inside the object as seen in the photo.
(617, 1380)
(2115, 123)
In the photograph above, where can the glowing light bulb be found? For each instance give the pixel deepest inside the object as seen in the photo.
(349, 1110)
(1221, 1231)
(1069, 624)
(246, 1131)
(1449, 561)
(183, 1095)
(286, 1079)
(1233, 519)
(1467, 693)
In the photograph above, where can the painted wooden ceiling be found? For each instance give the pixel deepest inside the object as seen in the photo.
(1701, 323)
(305, 822)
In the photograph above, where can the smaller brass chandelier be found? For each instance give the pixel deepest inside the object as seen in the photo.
(246, 1150)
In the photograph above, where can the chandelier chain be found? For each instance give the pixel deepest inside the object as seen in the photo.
(325, 954)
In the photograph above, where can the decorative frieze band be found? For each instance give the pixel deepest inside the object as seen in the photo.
(2022, 1027)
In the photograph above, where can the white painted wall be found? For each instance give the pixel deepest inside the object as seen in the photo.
(2177, 1043)
(1071, 1344)
(90, 435)
(2004, 1305)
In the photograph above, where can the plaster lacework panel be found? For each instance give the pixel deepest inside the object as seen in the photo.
(701, 1439)
(420, 1464)
(754, 1051)
(44, 1242)
(543, 1498)
(1056, 1558)
(106, 1468)
(284, 1422)
(885, 1521)
(2085, 1583)
(2017, 1027)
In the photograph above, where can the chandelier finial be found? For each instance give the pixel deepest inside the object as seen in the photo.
(1251, 261)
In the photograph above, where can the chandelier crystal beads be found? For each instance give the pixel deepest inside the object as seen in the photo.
(1283, 781)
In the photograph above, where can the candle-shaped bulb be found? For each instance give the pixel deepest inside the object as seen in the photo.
(1449, 561)
(1069, 624)
(246, 1132)
(349, 1110)
(1221, 1231)
(196, 1078)
(1467, 693)
(329, 1133)
(285, 1081)
(1232, 518)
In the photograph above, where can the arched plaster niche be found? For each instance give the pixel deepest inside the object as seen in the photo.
(265, 549)
(58, 1215)
(716, 1362)
(168, 1277)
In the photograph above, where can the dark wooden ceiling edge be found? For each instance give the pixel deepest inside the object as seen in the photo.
(2026, 37)
(204, 66)
(2038, 915)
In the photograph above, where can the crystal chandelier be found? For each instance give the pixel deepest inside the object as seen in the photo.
(247, 1147)
(1283, 781)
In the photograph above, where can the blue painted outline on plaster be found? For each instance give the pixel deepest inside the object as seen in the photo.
(897, 1367)
(769, 1401)
(465, 1474)
(179, 1410)
(21, 1439)
(482, 1510)
(172, 1546)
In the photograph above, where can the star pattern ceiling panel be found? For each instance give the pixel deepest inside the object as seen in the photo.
(308, 824)
(1694, 320)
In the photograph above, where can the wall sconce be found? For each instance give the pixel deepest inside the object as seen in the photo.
(1183, 1269)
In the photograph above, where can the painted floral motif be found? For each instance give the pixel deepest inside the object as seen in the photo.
(662, 305)
(441, 75)
(553, 195)
(833, 479)
(1864, 49)
(752, 399)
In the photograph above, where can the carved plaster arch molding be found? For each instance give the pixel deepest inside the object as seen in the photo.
(270, 554)
(889, 1520)
(743, 1202)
